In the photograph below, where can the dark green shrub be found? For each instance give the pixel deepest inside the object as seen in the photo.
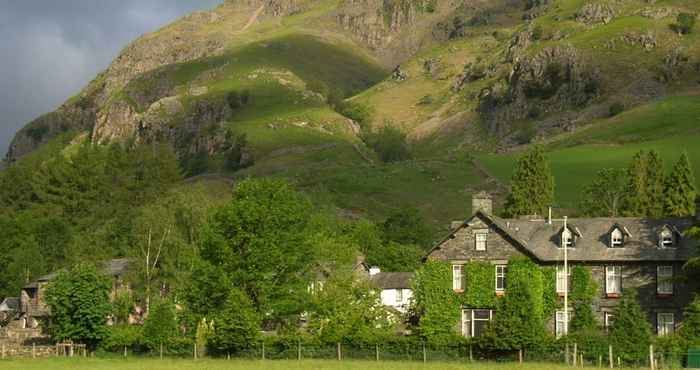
(426, 100)
(630, 333)
(390, 143)
(537, 33)
(685, 22)
(37, 132)
(233, 99)
(160, 327)
(616, 108)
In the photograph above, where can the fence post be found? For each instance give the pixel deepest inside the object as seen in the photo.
(195, 350)
(651, 356)
(425, 355)
(376, 351)
(471, 354)
(125, 354)
(610, 356)
(263, 350)
(566, 353)
(520, 356)
(619, 362)
(161, 350)
(575, 353)
(600, 361)
(581, 362)
(3, 351)
(340, 355)
(299, 350)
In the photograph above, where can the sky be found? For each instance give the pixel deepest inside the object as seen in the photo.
(50, 49)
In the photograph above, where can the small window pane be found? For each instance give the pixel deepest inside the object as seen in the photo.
(500, 278)
(457, 277)
(665, 324)
(480, 237)
(664, 280)
(481, 314)
(613, 279)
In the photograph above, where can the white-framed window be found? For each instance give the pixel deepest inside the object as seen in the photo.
(567, 239)
(475, 321)
(608, 321)
(458, 277)
(560, 326)
(664, 279)
(613, 279)
(399, 295)
(616, 239)
(563, 279)
(666, 239)
(501, 277)
(664, 323)
(480, 238)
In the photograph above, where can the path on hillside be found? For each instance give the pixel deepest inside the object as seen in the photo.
(252, 19)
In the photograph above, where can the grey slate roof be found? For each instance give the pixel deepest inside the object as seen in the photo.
(9, 304)
(114, 267)
(392, 280)
(542, 240)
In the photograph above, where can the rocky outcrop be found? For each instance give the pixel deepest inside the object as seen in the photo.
(595, 13)
(554, 80)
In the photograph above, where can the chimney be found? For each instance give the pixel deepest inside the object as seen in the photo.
(374, 270)
(481, 201)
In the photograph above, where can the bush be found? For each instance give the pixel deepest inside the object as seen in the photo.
(160, 326)
(318, 87)
(234, 100)
(236, 325)
(616, 108)
(426, 100)
(630, 333)
(537, 33)
(685, 22)
(390, 144)
(357, 112)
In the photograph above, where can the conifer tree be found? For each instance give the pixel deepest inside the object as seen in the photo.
(532, 185)
(655, 185)
(630, 333)
(680, 191)
(636, 196)
(690, 331)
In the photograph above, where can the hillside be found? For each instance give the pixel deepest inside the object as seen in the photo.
(477, 81)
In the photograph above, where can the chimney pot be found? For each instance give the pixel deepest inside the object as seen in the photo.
(482, 202)
(374, 270)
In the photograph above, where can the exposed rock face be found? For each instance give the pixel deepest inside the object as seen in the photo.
(659, 13)
(557, 76)
(595, 13)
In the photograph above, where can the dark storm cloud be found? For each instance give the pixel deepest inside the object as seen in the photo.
(50, 49)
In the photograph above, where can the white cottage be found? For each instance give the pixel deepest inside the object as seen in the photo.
(395, 288)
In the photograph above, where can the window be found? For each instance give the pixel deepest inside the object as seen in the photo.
(480, 239)
(664, 280)
(613, 280)
(616, 238)
(501, 278)
(560, 328)
(399, 295)
(563, 280)
(664, 324)
(666, 238)
(567, 239)
(457, 277)
(474, 322)
(609, 320)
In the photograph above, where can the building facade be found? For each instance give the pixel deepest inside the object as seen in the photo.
(395, 288)
(621, 253)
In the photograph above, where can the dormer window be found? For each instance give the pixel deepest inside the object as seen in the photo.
(567, 239)
(666, 238)
(617, 239)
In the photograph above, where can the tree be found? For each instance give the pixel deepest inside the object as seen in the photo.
(604, 196)
(630, 333)
(685, 22)
(532, 185)
(636, 194)
(690, 331)
(160, 327)
(519, 322)
(407, 226)
(680, 192)
(236, 325)
(78, 301)
(259, 241)
(390, 143)
(655, 185)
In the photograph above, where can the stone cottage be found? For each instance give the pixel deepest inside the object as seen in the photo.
(622, 253)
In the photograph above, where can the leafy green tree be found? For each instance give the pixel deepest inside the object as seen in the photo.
(655, 184)
(236, 325)
(630, 333)
(390, 143)
(259, 240)
(78, 301)
(690, 331)
(532, 185)
(392, 256)
(680, 192)
(518, 321)
(160, 327)
(636, 193)
(122, 337)
(206, 291)
(407, 226)
(604, 196)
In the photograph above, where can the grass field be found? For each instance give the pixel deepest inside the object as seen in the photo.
(141, 364)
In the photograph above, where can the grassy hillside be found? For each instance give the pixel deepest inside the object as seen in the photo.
(669, 126)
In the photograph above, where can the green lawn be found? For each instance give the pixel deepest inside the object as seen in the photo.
(154, 364)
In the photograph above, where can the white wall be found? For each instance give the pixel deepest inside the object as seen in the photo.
(389, 298)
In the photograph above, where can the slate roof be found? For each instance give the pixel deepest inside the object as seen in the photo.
(9, 304)
(114, 267)
(392, 280)
(542, 240)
